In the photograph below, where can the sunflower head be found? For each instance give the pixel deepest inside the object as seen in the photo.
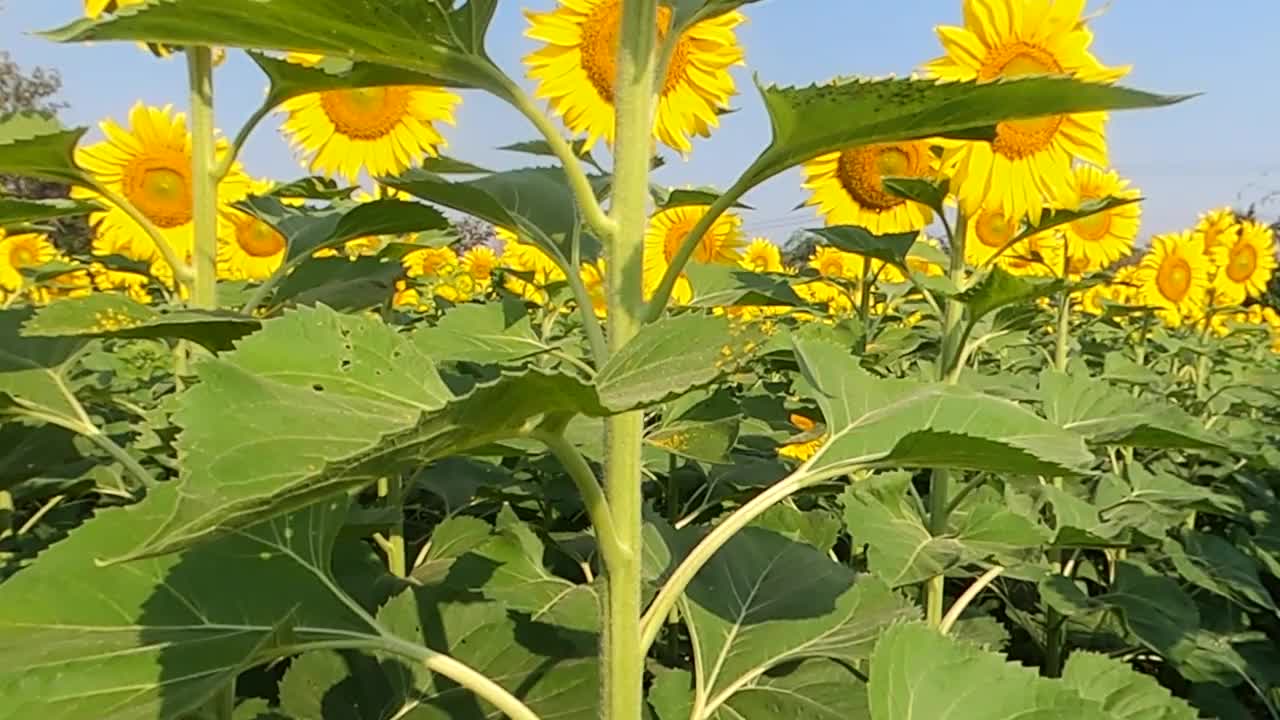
(762, 256)
(430, 263)
(17, 252)
(809, 441)
(479, 263)
(667, 231)
(1216, 227)
(1244, 263)
(1102, 238)
(1029, 160)
(576, 69)
(848, 186)
(1174, 278)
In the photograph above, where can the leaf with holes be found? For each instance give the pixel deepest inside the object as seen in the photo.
(669, 358)
(110, 315)
(763, 601)
(874, 422)
(67, 625)
(810, 121)
(37, 146)
(441, 44)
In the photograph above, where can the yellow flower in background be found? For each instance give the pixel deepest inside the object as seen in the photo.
(532, 262)
(382, 130)
(1029, 161)
(922, 265)
(1038, 255)
(1216, 227)
(848, 186)
(1102, 238)
(25, 250)
(577, 67)
(667, 230)
(253, 250)
(593, 275)
(479, 263)
(762, 256)
(149, 164)
(134, 285)
(1174, 276)
(1245, 264)
(804, 449)
(430, 262)
(836, 264)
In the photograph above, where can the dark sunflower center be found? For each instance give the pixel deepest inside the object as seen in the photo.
(366, 113)
(1244, 260)
(1174, 278)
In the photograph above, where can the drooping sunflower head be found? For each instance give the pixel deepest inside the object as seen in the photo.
(1029, 160)
(149, 164)
(762, 256)
(1245, 264)
(1216, 227)
(848, 186)
(382, 130)
(1102, 238)
(25, 250)
(576, 70)
(667, 230)
(1174, 277)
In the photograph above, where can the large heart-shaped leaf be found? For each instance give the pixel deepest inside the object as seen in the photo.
(814, 689)
(493, 332)
(1105, 414)
(763, 601)
(810, 121)
(1124, 693)
(37, 146)
(874, 422)
(442, 43)
(113, 315)
(153, 639)
(1221, 568)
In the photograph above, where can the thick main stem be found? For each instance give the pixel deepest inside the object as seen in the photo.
(1062, 337)
(622, 654)
(204, 179)
(1055, 630)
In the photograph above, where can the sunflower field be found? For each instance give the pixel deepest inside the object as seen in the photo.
(297, 449)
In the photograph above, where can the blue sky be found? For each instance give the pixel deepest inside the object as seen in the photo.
(1221, 148)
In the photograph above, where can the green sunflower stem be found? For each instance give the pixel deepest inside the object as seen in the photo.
(204, 169)
(953, 333)
(864, 304)
(622, 655)
(1055, 644)
(1062, 338)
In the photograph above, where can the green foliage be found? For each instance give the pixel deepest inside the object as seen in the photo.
(116, 316)
(37, 146)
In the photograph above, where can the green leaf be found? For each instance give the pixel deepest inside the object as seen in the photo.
(891, 249)
(269, 429)
(19, 212)
(669, 358)
(35, 372)
(542, 148)
(37, 146)
(153, 639)
(457, 481)
(453, 538)
(817, 528)
(523, 583)
(289, 80)
(880, 513)
(705, 440)
(815, 689)
(930, 193)
(1124, 693)
(1105, 414)
(918, 674)
(810, 121)
(999, 288)
(339, 283)
(442, 44)
(1154, 608)
(325, 684)
(900, 423)
(314, 187)
(717, 285)
(763, 601)
(1060, 217)
(690, 197)
(688, 12)
(1219, 567)
(554, 677)
(307, 230)
(481, 333)
(114, 315)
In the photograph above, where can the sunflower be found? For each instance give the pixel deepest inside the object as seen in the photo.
(848, 186)
(478, 263)
(808, 442)
(384, 130)
(593, 275)
(1216, 227)
(1030, 160)
(577, 67)
(1174, 277)
(1102, 238)
(149, 164)
(528, 260)
(667, 231)
(430, 263)
(990, 230)
(254, 249)
(74, 284)
(27, 250)
(762, 256)
(134, 285)
(1246, 264)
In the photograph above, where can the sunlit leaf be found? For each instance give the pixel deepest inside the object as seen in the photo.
(1108, 415)
(38, 146)
(35, 372)
(112, 315)
(493, 332)
(998, 288)
(722, 285)
(1124, 693)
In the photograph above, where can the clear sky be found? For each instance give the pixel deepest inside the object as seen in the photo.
(1221, 148)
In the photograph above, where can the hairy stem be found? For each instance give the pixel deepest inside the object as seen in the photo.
(967, 597)
(593, 498)
(204, 288)
(623, 656)
(461, 673)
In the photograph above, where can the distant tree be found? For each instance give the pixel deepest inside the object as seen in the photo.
(473, 232)
(798, 248)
